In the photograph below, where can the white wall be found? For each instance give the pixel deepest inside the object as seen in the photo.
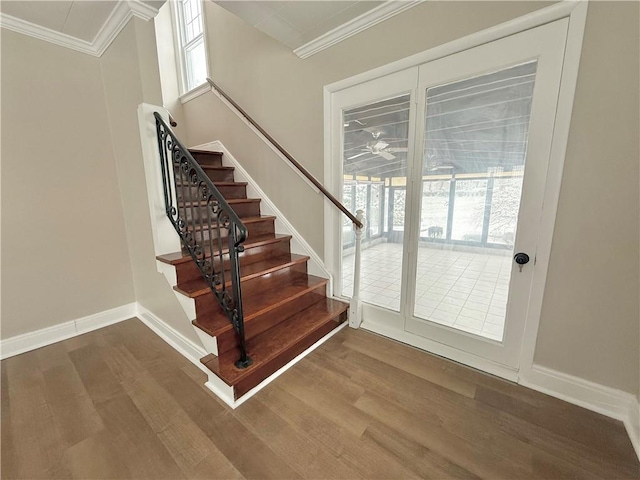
(590, 318)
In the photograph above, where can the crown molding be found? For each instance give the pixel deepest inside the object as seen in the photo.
(117, 20)
(42, 33)
(355, 26)
(141, 10)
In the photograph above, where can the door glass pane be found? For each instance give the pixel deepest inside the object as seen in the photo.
(476, 134)
(374, 162)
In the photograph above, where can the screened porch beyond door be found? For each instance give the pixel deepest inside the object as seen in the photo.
(465, 290)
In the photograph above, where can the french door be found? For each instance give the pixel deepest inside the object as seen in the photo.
(449, 160)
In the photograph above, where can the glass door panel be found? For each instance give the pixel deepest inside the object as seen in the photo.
(375, 146)
(475, 145)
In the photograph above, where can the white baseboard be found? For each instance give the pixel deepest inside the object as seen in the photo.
(607, 401)
(194, 353)
(632, 424)
(187, 348)
(279, 372)
(46, 336)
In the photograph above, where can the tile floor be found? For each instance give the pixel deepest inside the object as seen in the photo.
(463, 290)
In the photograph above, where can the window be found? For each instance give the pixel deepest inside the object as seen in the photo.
(191, 47)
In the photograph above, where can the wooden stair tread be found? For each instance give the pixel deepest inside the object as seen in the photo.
(278, 341)
(177, 258)
(198, 287)
(261, 295)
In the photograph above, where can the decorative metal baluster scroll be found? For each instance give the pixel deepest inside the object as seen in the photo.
(203, 220)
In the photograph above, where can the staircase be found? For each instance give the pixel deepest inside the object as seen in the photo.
(285, 309)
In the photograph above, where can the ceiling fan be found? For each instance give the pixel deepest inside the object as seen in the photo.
(377, 146)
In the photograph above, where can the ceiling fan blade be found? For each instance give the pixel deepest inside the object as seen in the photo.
(386, 155)
(380, 145)
(397, 149)
(356, 156)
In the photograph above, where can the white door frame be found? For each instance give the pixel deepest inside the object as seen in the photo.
(576, 11)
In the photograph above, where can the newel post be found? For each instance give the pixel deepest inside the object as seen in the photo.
(355, 307)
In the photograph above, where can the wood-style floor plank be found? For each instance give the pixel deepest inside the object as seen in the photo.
(120, 403)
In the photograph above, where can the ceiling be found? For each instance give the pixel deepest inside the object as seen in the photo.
(81, 19)
(295, 23)
(89, 26)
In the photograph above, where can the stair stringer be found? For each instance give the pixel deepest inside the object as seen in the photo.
(299, 245)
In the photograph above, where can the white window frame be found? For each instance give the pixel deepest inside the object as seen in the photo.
(181, 47)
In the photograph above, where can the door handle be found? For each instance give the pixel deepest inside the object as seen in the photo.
(521, 259)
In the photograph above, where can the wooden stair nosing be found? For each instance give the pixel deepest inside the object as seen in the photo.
(217, 323)
(217, 167)
(208, 152)
(245, 220)
(177, 258)
(198, 287)
(286, 337)
(230, 201)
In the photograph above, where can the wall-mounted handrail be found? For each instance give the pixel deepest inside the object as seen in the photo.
(202, 218)
(288, 156)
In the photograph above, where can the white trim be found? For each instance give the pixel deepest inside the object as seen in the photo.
(355, 26)
(187, 348)
(195, 92)
(165, 239)
(534, 19)
(273, 376)
(265, 140)
(298, 244)
(42, 33)
(431, 346)
(46, 336)
(180, 46)
(142, 10)
(117, 20)
(584, 393)
(607, 401)
(193, 352)
(576, 11)
(632, 424)
(573, 49)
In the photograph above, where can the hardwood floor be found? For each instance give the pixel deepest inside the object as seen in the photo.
(120, 403)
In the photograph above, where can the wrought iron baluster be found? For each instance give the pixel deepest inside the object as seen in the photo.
(195, 193)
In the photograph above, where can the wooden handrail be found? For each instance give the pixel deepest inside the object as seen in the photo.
(288, 156)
